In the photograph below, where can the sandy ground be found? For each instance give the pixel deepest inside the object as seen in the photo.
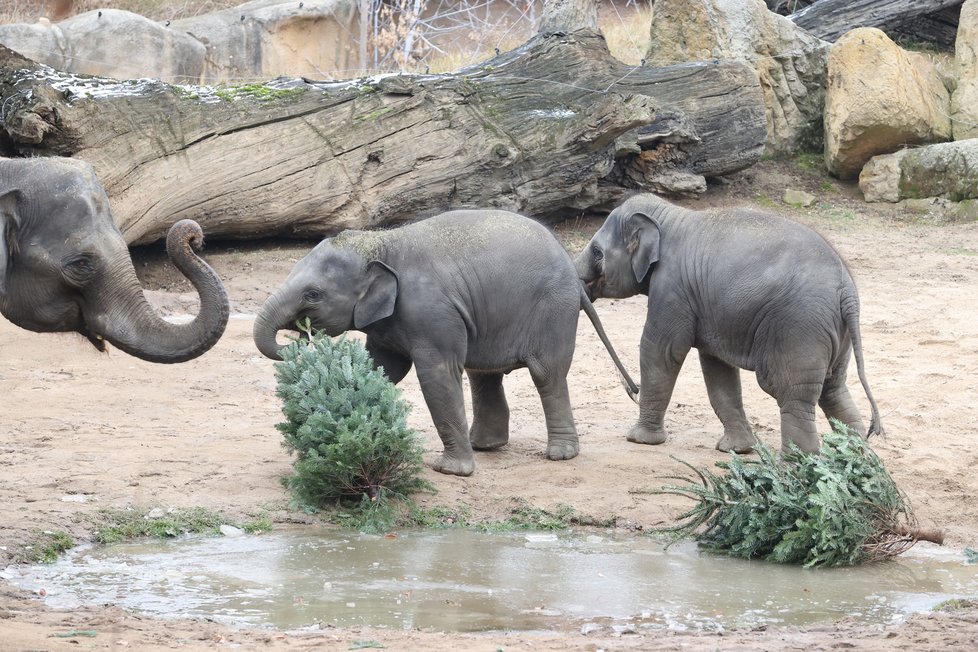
(83, 431)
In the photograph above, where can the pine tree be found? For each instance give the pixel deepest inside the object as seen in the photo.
(345, 423)
(837, 507)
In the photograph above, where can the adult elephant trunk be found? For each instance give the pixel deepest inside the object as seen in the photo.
(275, 315)
(132, 325)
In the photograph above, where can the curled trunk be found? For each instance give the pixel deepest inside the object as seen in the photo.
(133, 326)
(273, 317)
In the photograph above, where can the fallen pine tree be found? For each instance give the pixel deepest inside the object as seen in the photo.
(837, 507)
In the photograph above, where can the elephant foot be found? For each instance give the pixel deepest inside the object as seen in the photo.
(454, 466)
(643, 435)
(562, 450)
(736, 443)
(483, 439)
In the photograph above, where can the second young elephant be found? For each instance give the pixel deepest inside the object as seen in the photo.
(747, 289)
(483, 291)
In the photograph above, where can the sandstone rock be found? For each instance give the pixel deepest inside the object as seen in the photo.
(964, 101)
(109, 43)
(879, 98)
(948, 170)
(790, 63)
(879, 179)
(40, 41)
(267, 38)
(251, 42)
(798, 198)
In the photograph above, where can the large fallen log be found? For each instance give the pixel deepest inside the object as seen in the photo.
(939, 28)
(830, 19)
(550, 129)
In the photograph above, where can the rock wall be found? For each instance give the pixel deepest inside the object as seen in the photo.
(255, 41)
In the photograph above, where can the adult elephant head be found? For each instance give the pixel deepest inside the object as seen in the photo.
(64, 266)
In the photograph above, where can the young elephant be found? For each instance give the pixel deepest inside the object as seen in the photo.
(481, 290)
(747, 289)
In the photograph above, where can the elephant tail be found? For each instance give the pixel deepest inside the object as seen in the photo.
(850, 312)
(592, 314)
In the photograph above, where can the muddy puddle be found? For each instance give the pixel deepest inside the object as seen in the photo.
(458, 580)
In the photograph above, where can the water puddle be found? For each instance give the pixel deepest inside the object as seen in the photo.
(458, 580)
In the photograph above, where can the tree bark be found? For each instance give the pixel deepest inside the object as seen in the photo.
(939, 28)
(830, 19)
(568, 16)
(551, 129)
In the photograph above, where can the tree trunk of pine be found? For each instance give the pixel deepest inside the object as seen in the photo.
(364, 25)
(549, 130)
(568, 16)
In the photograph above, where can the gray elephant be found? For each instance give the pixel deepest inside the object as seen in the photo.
(483, 291)
(64, 266)
(750, 291)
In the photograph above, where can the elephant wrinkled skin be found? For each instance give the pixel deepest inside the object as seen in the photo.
(750, 291)
(64, 266)
(483, 292)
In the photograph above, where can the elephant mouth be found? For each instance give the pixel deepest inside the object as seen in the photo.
(593, 289)
(97, 340)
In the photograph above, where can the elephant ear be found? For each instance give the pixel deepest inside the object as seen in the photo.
(642, 243)
(377, 300)
(8, 224)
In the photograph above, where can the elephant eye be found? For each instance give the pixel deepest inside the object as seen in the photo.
(312, 296)
(79, 270)
(596, 253)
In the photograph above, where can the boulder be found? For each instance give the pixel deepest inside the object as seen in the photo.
(964, 101)
(790, 63)
(797, 198)
(255, 41)
(948, 170)
(879, 98)
(109, 43)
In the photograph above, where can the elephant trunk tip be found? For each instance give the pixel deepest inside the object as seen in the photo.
(265, 340)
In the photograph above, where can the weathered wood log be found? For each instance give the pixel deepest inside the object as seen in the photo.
(830, 19)
(550, 129)
(939, 28)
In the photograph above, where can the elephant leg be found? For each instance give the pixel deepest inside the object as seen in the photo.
(562, 443)
(441, 385)
(395, 365)
(723, 387)
(796, 383)
(660, 362)
(836, 401)
(490, 412)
